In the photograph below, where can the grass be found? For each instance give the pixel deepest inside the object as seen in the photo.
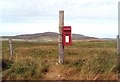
(27, 69)
(83, 61)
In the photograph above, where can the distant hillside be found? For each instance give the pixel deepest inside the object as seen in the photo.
(47, 36)
(81, 37)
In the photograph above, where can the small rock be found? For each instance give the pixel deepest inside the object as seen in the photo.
(57, 63)
(59, 76)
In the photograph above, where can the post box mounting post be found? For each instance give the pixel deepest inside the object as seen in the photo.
(60, 36)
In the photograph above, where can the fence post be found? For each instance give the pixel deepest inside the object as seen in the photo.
(1, 59)
(11, 48)
(118, 45)
(60, 44)
(118, 55)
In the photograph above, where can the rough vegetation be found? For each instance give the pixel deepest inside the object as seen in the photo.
(83, 61)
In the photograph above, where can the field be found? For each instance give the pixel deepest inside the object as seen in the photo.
(84, 60)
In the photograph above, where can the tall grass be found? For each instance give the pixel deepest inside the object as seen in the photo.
(83, 60)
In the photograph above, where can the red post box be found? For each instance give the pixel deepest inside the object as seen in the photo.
(67, 38)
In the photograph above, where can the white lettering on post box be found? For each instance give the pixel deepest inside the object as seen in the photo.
(67, 39)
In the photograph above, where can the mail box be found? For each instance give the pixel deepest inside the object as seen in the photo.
(67, 38)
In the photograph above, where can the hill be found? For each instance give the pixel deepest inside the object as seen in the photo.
(47, 36)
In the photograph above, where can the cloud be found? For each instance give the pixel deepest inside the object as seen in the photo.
(85, 14)
(73, 8)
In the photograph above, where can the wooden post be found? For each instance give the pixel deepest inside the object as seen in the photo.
(118, 54)
(118, 41)
(11, 49)
(61, 46)
(118, 45)
(0, 48)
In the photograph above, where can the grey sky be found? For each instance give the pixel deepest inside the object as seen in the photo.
(89, 17)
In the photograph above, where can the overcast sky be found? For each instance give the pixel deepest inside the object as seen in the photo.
(98, 18)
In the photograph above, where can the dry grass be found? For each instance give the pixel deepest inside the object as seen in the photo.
(83, 61)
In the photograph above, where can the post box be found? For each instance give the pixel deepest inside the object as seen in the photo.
(67, 38)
